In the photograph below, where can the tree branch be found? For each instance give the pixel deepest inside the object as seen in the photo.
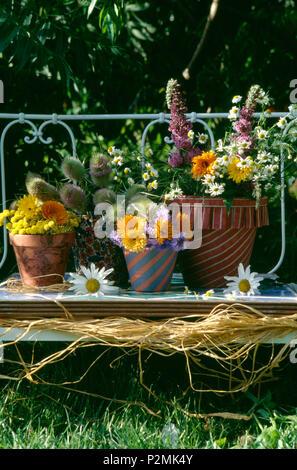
(212, 13)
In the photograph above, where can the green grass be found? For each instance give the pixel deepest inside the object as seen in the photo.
(48, 417)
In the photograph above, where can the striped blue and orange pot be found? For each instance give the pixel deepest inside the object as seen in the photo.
(151, 270)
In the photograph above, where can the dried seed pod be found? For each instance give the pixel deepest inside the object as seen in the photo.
(38, 187)
(73, 169)
(73, 197)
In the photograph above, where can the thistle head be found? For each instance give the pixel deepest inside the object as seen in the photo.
(39, 188)
(73, 169)
(73, 197)
(104, 195)
(100, 169)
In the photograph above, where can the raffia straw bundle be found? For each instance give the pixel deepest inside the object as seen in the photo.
(230, 334)
(17, 286)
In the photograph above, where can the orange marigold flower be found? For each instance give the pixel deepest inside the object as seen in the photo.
(202, 164)
(56, 211)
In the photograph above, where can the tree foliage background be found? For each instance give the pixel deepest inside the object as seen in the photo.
(92, 56)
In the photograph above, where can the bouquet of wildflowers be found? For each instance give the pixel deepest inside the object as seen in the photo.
(155, 229)
(245, 163)
(32, 217)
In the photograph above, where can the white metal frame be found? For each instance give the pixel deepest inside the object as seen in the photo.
(62, 120)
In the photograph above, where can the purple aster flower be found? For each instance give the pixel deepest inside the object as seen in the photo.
(115, 238)
(178, 243)
(163, 213)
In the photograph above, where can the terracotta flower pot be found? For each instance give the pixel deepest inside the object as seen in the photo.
(227, 240)
(151, 270)
(42, 255)
(89, 249)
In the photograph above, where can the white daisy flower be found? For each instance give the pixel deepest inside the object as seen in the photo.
(236, 99)
(246, 283)
(269, 170)
(231, 295)
(191, 134)
(154, 184)
(148, 166)
(154, 173)
(267, 186)
(216, 189)
(261, 134)
(224, 160)
(117, 153)
(145, 176)
(117, 161)
(281, 123)
(207, 294)
(208, 179)
(131, 181)
(111, 149)
(127, 171)
(93, 281)
(233, 113)
(203, 138)
(245, 163)
(243, 146)
(264, 157)
(174, 193)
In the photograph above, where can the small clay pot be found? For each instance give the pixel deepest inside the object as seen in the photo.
(42, 255)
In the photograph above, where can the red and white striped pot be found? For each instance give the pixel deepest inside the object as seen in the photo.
(151, 269)
(227, 240)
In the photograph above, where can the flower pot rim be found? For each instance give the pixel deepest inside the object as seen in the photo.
(150, 248)
(35, 239)
(48, 235)
(219, 198)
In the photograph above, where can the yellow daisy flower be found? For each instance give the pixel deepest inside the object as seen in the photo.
(28, 205)
(236, 173)
(134, 244)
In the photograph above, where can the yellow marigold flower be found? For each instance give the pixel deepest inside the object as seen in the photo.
(55, 210)
(202, 164)
(236, 173)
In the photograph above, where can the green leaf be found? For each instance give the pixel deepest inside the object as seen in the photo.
(91, 7)
(228, 204)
